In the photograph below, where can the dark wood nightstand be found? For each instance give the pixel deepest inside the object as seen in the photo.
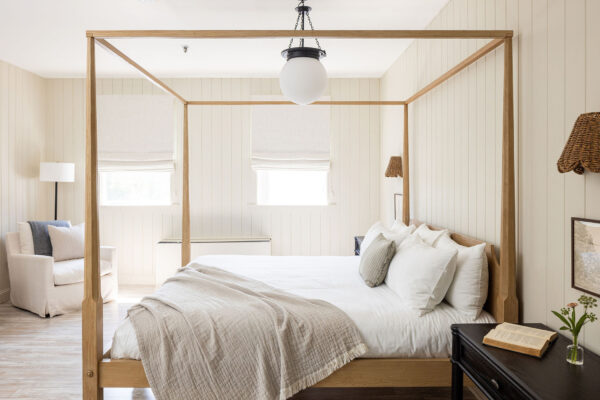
(503, 374)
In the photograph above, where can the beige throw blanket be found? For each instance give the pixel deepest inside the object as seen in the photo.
(210, 334)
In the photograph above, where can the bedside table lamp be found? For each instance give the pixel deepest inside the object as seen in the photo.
(57, 172)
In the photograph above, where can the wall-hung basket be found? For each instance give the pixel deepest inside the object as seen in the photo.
(582, 150)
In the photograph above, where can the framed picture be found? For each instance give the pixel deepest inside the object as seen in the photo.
(585, 255)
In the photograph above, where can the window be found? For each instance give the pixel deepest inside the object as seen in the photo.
(135, 188)
(291, 187)
(290, 154)
(136, 143)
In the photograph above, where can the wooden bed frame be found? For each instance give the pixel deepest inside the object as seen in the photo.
(101, 372)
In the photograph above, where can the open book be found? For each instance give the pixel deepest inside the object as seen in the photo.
(519, 338)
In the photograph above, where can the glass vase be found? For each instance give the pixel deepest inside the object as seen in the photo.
(575, 354)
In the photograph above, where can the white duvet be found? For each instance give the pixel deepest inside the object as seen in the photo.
(388, 327)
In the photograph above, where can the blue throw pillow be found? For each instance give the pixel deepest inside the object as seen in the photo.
(41, 239)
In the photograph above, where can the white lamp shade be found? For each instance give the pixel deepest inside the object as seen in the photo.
(57, 172)
(303, 80)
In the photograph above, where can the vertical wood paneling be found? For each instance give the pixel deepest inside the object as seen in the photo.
(533, 25)
(22, 130)
(556, 182)
(458, 128)
(592, 181)
(575, 104)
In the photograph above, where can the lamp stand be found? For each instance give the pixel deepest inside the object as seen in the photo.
(55, 199)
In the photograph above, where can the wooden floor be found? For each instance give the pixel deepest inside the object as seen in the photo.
(40, 358)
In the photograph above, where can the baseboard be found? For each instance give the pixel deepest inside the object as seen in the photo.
(4, 295)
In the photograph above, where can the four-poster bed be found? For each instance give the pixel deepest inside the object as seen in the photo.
(100, 372)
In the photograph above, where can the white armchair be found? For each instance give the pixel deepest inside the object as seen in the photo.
(44, 287)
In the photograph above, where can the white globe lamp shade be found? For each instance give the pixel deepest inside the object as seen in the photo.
(303, 80)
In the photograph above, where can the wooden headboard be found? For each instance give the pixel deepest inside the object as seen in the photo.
(495, 302)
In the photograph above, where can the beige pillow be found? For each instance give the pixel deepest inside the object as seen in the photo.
(375, 261)
(67, 243)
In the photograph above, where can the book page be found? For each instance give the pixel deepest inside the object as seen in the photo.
(525, 330)
(517, 339)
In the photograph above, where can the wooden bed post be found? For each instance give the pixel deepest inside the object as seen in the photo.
(508, 254)
(91, 312)
(185, 201)
(405, 173)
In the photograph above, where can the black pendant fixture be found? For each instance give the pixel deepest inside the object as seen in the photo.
(302, 51)
(303, 78)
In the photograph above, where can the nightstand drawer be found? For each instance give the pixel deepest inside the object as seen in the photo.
(486, 375)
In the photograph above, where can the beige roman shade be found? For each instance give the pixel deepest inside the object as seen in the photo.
(290, 137)
(136, 132)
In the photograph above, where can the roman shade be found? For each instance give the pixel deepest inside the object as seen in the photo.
(136, 132)
(290, 137)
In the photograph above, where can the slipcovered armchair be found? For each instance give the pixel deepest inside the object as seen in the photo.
(49, 288)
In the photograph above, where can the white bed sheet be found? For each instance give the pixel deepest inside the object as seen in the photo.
(388, 327)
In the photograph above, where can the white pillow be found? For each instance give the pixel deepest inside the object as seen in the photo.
(67, 243)
(399, 226)
(25, 238)
(430, 237)
(371, 234)
(469, 289)
(421, 274)
(397, 235)
(399, 231)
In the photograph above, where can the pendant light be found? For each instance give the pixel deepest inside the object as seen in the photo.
(303, 78)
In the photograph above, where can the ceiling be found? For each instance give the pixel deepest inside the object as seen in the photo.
(48, 37)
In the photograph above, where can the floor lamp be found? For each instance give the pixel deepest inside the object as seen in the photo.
(57, 172)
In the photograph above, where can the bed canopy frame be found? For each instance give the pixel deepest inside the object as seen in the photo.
(99, 371)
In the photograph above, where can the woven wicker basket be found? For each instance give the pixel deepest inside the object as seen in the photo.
(582, 150)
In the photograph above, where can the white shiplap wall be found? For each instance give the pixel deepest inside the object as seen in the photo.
(222, 183)
(456, 131)
(22, 129)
